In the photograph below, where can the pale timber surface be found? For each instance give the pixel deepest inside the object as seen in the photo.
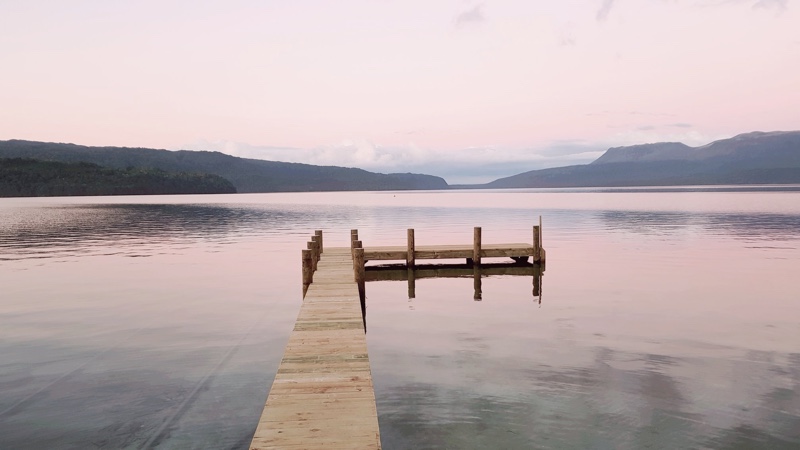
(447, 251)
(323, 396)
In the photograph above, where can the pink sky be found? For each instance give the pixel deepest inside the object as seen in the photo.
(385, 85)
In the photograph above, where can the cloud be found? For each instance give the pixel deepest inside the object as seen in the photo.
(605, 8)
(471, 16)
(469, 165)
(565, 38)
(779, 5)
(681, 125)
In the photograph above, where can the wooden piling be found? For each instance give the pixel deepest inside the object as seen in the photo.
(410, 249)
(353, 239)
(356, 245)
(315, 241)
(537, 254)
(476, 247)
(311, 252)
(318, 234)
(308, 271)
(540, 232)
(361, 278)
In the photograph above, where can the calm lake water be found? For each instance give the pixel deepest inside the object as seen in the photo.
(670, 318)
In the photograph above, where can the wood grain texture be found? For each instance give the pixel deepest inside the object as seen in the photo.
(447, 252)
(323, 396)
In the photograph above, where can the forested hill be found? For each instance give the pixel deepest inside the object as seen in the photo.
(247, 175)
(21, 177)
(751, 158)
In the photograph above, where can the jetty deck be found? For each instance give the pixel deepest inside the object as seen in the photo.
(447, 252)
(323, 396)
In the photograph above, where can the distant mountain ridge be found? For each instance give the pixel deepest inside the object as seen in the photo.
(750, 158)
(247, 175)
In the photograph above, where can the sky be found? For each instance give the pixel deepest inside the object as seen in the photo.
(471, 91)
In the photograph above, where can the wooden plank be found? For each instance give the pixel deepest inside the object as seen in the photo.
(447, 252)
(322, 395)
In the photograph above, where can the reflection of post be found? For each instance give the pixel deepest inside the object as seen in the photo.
(318, 234)
(360, 276)
(538, 273)
(476, 281)
(410, 250)
(412, 285)
(308, 274)
(476, 248)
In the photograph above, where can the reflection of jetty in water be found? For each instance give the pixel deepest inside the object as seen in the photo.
(399, 272)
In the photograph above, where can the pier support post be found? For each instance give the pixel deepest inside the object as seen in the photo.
(356, 246)
(410, 255)
(476, 250)
(311, 252)
(537, 254)
(317, 249)
(318, 234)
(308, 272)
(540, 231)
(353, 239)
(360, 277)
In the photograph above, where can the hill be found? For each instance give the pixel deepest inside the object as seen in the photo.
(247, 175)
(751, 158)
(20, 177)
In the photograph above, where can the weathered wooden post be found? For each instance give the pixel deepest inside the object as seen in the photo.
(310, 247)
(356, 246)
(353, 239)
(308, 271)
(360, 276)
(476, 249)
(315, 241)
(360, 271)
(410, 255)
(318, 234)
(540, 231)
(537, 254)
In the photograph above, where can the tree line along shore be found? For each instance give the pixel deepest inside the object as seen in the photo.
(27, 177)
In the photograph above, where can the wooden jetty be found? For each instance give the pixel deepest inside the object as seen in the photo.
(472, 253)
(322, 395)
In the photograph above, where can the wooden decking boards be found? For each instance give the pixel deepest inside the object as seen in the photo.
(447, 251)
(322, 396)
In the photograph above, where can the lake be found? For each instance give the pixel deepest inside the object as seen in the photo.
(669, 318)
